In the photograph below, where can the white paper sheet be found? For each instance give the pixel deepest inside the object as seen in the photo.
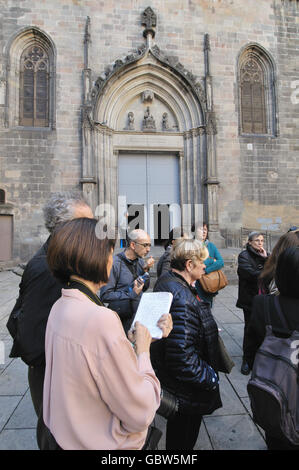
(151, 307)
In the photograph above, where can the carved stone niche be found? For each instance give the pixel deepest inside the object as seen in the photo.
(147, 96)
(144, 116)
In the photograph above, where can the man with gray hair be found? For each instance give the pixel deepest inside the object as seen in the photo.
(124, 288)
(38, 291)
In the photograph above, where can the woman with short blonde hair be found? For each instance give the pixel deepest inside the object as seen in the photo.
(186, 362)
(187, 249)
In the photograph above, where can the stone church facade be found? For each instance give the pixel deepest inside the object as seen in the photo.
(185, 105)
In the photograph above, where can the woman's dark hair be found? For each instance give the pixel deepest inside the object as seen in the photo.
(74, 248)
(287, 272)
(288, 240)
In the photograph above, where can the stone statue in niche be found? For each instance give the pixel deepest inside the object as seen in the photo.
(165, 123)
(148, 121)
(131, 120)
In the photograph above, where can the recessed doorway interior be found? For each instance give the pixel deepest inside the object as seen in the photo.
(150, 184)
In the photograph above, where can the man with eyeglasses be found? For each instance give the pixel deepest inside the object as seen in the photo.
(123, 291)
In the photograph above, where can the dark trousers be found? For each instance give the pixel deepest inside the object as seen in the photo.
(182, 431)
(247, 316)
(273, 443)
(36, 377)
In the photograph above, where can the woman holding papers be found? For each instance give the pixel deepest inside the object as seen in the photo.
(186, 362)
(99, 392)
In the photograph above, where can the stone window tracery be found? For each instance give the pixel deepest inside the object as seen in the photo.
(257, 96)
(34, 87)
(31, 80)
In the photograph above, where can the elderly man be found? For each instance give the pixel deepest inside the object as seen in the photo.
(123, 291)
(38, 291)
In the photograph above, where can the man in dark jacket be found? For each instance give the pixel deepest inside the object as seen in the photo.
(122, 293)
(250, 264)
(38, 291)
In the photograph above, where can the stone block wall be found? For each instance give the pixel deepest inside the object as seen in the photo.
(258, 176)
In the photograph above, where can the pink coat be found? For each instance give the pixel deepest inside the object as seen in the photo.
(97, 393)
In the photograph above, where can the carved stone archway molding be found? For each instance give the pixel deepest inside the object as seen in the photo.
(177, 103)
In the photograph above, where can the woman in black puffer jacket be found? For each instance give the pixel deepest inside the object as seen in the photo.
(186, 362)
(250, 265)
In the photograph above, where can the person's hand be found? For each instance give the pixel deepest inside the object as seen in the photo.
(165, 323)
(138, 286)
(149, 263)
(140, 337)
(263, 252)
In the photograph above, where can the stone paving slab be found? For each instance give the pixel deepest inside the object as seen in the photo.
(18, 439)
(234, 432)
(24, 415)
(229, 428)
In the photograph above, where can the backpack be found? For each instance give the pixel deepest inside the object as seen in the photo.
(273, 388)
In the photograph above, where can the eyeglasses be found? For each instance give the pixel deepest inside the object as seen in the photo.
(145, 245)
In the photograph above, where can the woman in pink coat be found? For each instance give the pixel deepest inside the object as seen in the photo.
(100, 392)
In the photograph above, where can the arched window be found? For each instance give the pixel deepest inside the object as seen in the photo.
(253, 98)
(30, 100)
(256, 92)
(34, 87)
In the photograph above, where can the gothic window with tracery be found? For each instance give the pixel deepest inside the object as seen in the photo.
(253, 106)
(34, 87)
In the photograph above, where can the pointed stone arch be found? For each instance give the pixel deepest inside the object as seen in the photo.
(175, 95)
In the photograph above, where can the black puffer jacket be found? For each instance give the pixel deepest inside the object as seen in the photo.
(182, 361)
(250, 265)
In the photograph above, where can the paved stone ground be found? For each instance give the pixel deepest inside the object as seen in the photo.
(229, 428)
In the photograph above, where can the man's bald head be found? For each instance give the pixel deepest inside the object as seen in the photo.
(137, 234)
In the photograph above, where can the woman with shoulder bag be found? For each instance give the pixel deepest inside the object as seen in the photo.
(213, 262)
(186, 362)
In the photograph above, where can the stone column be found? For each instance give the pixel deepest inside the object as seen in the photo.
(88, 178)
(211, 131)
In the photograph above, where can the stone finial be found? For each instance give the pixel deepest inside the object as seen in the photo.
(149, 20)
(87, 30)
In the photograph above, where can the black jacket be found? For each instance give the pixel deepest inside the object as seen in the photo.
(259, 320)
(182, 360)
(38, 291)
(250, 265)
(164, 262)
